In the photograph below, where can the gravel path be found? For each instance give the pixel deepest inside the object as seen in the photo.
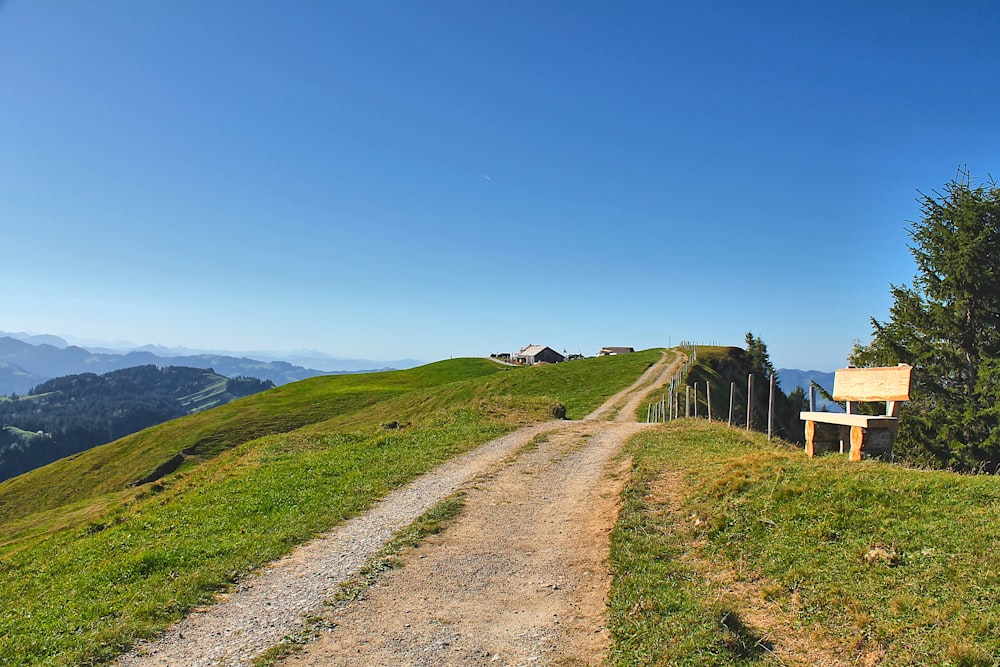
(262, 609)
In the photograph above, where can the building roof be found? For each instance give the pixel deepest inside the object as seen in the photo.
(531, 350)
(617, 350)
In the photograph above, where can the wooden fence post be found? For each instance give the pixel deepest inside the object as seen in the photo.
(708, 399)
(732, 396)
(770, 409)
(749, 397)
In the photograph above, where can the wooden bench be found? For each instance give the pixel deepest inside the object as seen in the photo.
(868, 435)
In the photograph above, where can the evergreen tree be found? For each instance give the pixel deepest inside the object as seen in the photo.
(947, 326)
(760, 360)
(798, 400)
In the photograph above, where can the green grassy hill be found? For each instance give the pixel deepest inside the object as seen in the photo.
(78, 412)
(730, 550)
(730, 546)
(733, 550)
(90, 562)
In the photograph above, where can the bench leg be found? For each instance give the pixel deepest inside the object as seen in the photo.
(857, 442)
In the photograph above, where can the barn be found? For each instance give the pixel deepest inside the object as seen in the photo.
(537, 354)
(609, 351)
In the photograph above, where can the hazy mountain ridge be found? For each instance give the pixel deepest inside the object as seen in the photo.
(14, 379)
(790, 378)
(73, 413)
(31, 359)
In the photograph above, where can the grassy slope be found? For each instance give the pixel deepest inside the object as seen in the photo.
(110, 468)
(879, 559)
(83, 580)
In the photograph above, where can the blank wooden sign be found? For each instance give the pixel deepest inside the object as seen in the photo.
(891, 383)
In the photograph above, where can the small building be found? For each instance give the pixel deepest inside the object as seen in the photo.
(610, 351)
(537, 354)
(501, 356)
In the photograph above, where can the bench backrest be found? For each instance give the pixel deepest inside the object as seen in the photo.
(888, 383)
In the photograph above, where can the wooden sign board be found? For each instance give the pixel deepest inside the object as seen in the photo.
(890, 383)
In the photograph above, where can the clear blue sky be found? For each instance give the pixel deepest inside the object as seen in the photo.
(452, 178)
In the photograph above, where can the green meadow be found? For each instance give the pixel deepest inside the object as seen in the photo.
(729, 545)
(89, 564)
(729, 550)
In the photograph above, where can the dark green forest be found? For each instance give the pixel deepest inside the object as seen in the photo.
(67, 415)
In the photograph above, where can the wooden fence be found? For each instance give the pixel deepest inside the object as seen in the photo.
(668, 408)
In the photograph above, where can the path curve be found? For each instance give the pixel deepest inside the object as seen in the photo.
(264, 608)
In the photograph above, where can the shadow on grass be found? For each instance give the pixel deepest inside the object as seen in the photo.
(740, 639)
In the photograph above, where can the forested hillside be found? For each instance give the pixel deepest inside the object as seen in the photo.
(67, 415)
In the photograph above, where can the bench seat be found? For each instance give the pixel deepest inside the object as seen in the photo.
(864, 421)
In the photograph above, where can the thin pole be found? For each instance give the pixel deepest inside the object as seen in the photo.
(696, 400)
(770, 409)
(708, 399)
(749, 397)
(732, 395)
(812, 398)
(687, 401)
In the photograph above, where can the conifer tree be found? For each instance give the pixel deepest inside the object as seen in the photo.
(947, 325)
(760, 360)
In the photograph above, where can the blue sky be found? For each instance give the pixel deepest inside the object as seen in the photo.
(429, 179)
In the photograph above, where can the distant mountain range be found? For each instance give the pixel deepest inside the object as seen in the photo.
(70, 414)
(790, 378)
(27, 360)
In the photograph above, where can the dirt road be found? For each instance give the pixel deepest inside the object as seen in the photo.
(519, 578)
